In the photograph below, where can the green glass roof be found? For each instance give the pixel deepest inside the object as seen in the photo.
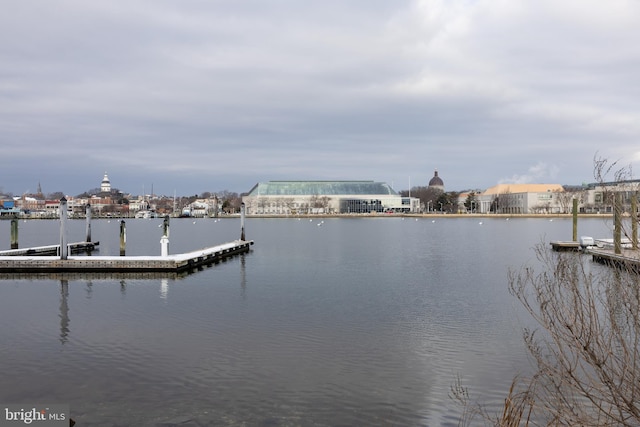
(321, 188)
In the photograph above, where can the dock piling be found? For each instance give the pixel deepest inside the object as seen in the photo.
(123, 238)
(242, 221)
(634, 221)
(617, 223)
(88, 216)
(164, 240)
(14, 233)
(575, 219)
(63, 226)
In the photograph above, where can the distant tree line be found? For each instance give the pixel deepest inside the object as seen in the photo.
(434, 199)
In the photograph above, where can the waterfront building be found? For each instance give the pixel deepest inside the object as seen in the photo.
(522, 199)
(28, 204)
(100, 204)
(473, 207)
(326, 197)
(598, 197)
(52, 208)
(139, 204)
(201, 208)
(8, 208)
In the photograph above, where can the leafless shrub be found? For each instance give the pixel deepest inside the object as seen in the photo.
(587, 351)
(516, 410)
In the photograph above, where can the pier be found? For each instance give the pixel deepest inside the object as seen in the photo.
(620, 252)
(122, 264)
(563, 246)
(628, 259)
(570, 245)
(51, 250)
(56, 258)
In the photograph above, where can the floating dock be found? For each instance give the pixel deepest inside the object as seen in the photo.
(51, 249)
(565, 246)
(122, 264)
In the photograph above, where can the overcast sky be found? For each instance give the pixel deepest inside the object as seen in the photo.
(190, 96)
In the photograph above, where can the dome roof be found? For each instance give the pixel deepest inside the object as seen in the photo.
(436, 181)
(105, 185)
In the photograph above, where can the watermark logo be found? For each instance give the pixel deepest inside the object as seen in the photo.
(40, 415)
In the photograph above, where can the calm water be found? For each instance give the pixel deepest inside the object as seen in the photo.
(351, 322)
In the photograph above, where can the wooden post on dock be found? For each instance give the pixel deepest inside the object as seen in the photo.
(88, 216)
(14, 233)
(164, 240)
(63, 231)
(575, 219)
(242, 221)
(123, 238)
(634, 221)
(617, 223)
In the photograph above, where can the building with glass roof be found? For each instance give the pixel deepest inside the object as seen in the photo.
(325, 197)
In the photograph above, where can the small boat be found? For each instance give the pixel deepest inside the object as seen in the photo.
(146, 214)
(625, 243)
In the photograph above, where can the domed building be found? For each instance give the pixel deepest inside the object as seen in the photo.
(436, 182)
(105, 185)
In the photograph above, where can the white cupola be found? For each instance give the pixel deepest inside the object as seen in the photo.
(105, 185)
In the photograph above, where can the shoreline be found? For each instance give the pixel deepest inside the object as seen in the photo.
(431, 215)
(374, 215)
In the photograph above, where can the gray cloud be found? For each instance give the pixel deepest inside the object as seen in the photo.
(202, 96)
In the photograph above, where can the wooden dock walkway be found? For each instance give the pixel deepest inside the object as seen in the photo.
(565, 246)
(627, 259)
(51, 250)
(122, 264)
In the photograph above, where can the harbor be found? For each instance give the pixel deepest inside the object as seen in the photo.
(354, 322)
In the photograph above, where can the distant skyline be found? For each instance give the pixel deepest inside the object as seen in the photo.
(207, 96)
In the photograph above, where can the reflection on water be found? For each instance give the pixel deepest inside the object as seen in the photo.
(243, 276)
(64, 311)
(357, 322)
(164, 288)
(89, 277)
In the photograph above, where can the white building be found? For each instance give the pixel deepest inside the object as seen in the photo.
(201, 208)
(326, 197)
(598, 198)
(138, 204)
(105, 185)
(522, 199)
